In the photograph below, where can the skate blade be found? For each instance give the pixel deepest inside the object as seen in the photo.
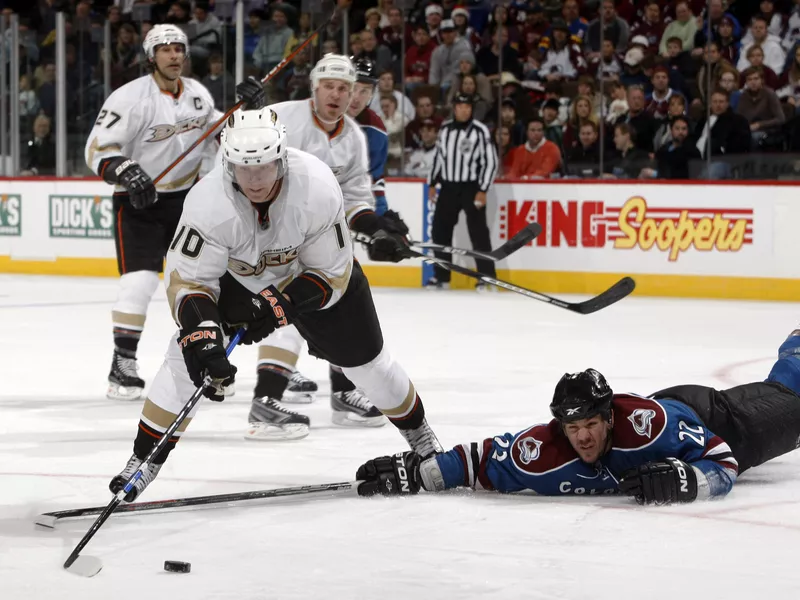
(118, 392)
(297, 397)
(348, 419)
(264, 432)
(85, 566)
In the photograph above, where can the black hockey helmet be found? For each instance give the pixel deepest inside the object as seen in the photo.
(462, 98)
(365, 70)
(581, 396)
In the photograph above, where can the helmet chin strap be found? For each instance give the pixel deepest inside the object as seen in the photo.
(325, 121)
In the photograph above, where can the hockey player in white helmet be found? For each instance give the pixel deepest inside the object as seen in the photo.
(263, 242)
(321, 127)
(144, 126)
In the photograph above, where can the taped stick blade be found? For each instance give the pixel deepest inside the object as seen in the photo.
(85, 566)
(46, 520)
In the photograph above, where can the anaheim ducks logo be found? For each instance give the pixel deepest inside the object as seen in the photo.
(642, 418)
(266, 260)
(159, 133)
(529, 449)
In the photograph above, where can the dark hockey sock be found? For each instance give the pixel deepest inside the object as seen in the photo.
(412, 420)
(126, 341)
(272, 381)
(340, 383)
(146, 439)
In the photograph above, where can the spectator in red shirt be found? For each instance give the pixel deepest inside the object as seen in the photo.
(538, 158)
(418, 58)
(651, 26)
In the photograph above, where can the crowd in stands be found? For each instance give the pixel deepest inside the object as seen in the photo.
(660, 82)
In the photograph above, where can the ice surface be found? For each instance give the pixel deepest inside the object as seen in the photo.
(483, 364)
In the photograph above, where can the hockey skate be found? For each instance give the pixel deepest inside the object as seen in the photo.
(148, 475)
(434, 284)
(124, 382)
(422, 440)
(300, 389)
(270, 421)
(353, 409)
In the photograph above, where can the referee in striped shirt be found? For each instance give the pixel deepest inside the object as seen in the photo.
(465, 164)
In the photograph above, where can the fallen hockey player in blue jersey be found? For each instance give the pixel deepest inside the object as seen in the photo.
(681, 444)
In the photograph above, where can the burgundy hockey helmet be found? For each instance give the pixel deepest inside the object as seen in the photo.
(581, 396)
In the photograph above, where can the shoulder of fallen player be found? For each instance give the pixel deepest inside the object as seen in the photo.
(539, 459)
(648, 430)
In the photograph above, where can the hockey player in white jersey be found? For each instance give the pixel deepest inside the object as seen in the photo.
(321, 127)
(143, 127)
(263, 242)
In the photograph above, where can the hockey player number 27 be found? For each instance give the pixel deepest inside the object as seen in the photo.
(693, 433)
(192, 245)
(103, 113)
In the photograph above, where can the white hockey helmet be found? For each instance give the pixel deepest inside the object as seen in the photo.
(333, 66)
(254, 138)
(164, 34)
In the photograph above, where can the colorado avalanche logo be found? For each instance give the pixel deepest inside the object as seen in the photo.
(642, 418)
(529, 449)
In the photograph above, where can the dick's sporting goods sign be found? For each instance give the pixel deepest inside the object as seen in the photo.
(81, 217)
(10, 214)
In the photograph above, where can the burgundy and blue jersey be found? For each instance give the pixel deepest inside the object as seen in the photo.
(378, 150)
(541, 459)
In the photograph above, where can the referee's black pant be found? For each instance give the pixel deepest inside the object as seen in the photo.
(453, 198)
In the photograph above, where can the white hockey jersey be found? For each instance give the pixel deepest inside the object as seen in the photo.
(344, 151)
(219, 231)
(153, 127)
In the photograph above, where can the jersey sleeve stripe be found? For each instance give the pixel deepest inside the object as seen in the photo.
(482, 479)
(465, 464)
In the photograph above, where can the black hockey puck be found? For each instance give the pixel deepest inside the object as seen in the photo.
(174, 566)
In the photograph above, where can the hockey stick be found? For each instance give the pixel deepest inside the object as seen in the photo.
(276, 69)
(198, 502)
(89, 566)
(615, 293)
(524, 236)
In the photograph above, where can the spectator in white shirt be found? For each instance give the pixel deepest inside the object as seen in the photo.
(774, 55)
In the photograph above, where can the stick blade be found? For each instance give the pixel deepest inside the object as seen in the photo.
(523, 237)
(614, 294)
(46, 520)
(85, 566)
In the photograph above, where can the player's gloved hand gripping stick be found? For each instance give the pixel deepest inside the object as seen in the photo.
(89, 566)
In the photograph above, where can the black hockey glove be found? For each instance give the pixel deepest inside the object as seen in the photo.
(204, 354)
(396, 475)
(387, 247)
(251, 93)
(660, 482)
(127, 173)
(393, 223)
(262, 313)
